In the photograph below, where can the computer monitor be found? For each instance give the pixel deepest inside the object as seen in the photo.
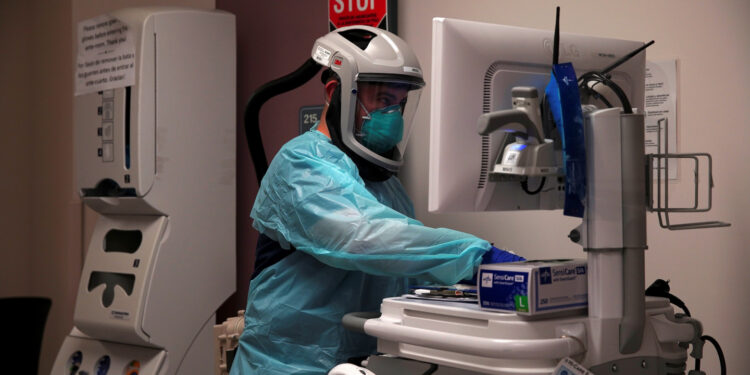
(474, 67)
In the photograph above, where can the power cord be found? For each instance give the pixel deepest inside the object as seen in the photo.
(431, 370)
(525, 186)
(722, 360)
(592, 91)
(604, 79)
(660, 288)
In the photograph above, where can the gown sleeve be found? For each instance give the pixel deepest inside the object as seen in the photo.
(313, 199)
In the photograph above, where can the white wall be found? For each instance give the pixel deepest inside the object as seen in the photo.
(711, 43)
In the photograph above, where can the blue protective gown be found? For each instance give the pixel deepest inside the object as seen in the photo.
(356, 242)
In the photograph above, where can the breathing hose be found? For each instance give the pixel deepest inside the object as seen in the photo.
(270, 89)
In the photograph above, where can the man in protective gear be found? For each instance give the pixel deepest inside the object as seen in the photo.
(338, 232)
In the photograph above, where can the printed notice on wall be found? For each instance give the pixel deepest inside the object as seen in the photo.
(661, 103)
(106, 55)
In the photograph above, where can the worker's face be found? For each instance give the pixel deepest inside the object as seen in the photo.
(374, 96)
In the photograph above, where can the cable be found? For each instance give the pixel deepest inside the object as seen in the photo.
(604, 78)
(598, 96)
(660, 288)
(525, 186)
(722, 360)
(431, 370)
(598, 78)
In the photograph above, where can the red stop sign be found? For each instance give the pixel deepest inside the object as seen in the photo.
(357, 12)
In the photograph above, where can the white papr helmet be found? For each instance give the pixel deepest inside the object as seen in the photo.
(366, 54)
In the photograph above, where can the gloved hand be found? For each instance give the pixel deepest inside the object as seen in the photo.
(495, 255)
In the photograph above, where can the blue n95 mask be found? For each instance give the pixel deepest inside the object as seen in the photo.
(382, 129)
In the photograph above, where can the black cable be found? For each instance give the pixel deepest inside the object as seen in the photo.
(525, 186)
(598, 78)
(431, 370)
(673, 299)
(660, 288)
(722, 360)
(604, 78)
(627, 108)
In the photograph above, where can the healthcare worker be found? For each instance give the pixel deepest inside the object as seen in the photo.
(337, 228)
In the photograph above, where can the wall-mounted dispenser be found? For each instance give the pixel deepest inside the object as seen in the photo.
(155, 158)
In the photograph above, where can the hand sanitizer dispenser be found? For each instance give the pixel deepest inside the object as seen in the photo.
(155, 157)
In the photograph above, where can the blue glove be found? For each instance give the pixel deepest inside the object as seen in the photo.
(495, 255)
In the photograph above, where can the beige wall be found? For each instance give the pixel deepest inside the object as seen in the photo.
(83, 9)
(711, 41)
(41, 214)
(15, 137)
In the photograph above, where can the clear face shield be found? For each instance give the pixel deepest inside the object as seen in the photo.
(384, 114)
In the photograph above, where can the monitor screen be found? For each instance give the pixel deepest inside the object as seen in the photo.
(474, 67)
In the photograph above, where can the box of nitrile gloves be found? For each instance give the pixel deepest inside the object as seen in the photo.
(533, 287)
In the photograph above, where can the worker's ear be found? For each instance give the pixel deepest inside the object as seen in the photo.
(330, 87)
